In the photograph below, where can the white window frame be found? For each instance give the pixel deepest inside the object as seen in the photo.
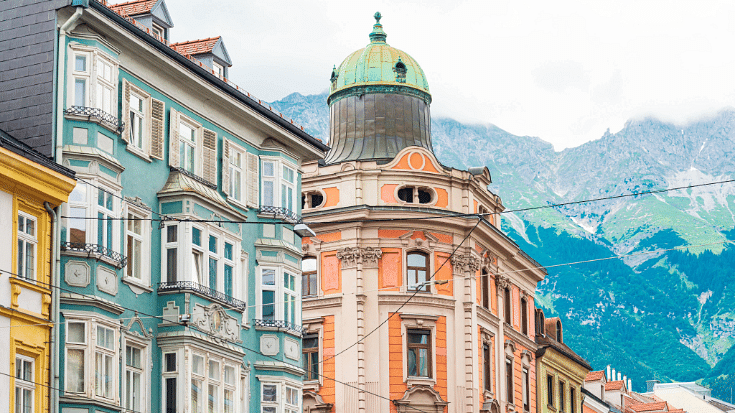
(196, 144)
(215, 256)
(279, 291)
(282, 386)
(199, 250)
(144, 371)
(81, 205)
(270, 406)
(219, 70)
(295, 393)
(279, 182)
(94, 77)
(235, 151)
(175, 374)
(91, 322)
(25, 388)
(25, 240)
(210, 379)
(101, 369)
(173, 245)
(144, 238)
(143, 146)
(158, 31)
(108, 224)
(200, 377)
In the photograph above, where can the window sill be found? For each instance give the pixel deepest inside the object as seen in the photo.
(135, 284)
(237, 203)
(138, 152)
(488, 394)
(417, 381)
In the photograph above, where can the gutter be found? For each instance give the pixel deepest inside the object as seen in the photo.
(248, 101)
(56, 247)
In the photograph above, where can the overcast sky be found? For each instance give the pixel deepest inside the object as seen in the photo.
(564, 71)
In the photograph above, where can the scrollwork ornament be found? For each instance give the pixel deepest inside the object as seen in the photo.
(465, 263)
(502, 282)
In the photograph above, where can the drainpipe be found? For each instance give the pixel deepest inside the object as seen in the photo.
(54, 313)
(60, 81)
(55, 252)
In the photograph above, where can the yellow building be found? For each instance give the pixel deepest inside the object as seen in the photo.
(560, 372)
(31, 185)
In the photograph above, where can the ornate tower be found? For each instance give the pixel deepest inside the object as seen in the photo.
(379, 103)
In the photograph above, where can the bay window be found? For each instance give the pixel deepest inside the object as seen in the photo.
(171, 252)
(292, 398)
(91, 357)
(278, 176)
(76, 346)
(170, 375)
(81, 74)
(103, 368)
(93, 80)
(276, 284)
(269, 401)
(197, 381)
(213, 383)
(27, 242)
(76, 224)
(134, 378)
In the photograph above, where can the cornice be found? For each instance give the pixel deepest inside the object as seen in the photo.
(487, 316)
(520, 338)
(279, 366)
(318, 303)
(97, 302)
(432, 300)
(34, 180)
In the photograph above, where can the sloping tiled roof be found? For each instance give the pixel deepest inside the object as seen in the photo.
(614, 385)
(649, 407)
(546, 342)
(179, 181)
(595, 375)
(133, 8)
(195, 47)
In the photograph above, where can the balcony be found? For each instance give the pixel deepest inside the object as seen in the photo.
(279, 213)
(177, 286)
(96, 251)
(96, 115)
(280, 325)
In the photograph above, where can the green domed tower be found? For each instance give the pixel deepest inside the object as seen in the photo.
(379, 103)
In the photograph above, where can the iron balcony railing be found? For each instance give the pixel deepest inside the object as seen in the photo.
(291, 327)
(97, 250)
(97, 113)
(277, 212)
(203, 290)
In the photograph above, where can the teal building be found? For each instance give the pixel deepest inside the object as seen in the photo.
(178, 267)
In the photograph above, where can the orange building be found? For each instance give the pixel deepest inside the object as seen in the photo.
(430, 314)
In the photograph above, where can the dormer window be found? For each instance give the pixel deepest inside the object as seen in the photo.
(400, 69)
(558, 331)
(158, 31)
(219, 70)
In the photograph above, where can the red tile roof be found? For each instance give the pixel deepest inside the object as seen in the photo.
(133, 8)
(195, 47)
(614, 385)
(595, 375)
(650, 407)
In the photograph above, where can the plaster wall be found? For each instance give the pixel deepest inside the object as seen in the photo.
(6, 245)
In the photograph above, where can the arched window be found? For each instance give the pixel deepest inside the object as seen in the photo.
(506, 299)
(485, 282)
(417, 268)
(524, 316)
(416, 195)
(308, 277)
(558, 331)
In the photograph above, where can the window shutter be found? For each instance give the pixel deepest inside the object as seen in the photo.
(126, 110)
(253, 180)
(158, 111)
(173, 138)
(209, 156)
(225, 166)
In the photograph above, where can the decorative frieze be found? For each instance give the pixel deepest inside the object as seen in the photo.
(215, 321)
(367, 256)
(465, 263)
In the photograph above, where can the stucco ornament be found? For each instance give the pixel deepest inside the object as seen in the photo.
(215, 320)
(501, 281)
(420, 398)
(351, 256)
(465, 263)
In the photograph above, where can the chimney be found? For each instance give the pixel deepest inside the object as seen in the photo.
(607, 376)
(630, 384)
(612, 378)
(650, 384)
(619, 378)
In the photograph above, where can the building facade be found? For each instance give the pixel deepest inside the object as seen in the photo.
(560, 371)
(179, 259)
(430, 314)
(31, 187)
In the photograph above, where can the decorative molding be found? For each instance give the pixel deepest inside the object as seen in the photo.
(465, 263)
(487, 316)
(279, 366)
(106, 280)
(291, 349)
(269, 344)
(418, 299)
(136, 320)
(138, 202)
(97, 302)
(76, 273)
(319, 303)
(171, 313)
(420, 397)
(351, 256)
(215, 320)
(502, 282)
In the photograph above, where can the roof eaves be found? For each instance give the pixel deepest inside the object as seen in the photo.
(14, 145)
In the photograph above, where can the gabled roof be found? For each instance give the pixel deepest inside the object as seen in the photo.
(614, 385)
(595, 375)
(212, 45)
(547, 341)
(156, 8)
(650, 407)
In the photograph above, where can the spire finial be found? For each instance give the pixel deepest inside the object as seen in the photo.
(378, 35)
(377, 16)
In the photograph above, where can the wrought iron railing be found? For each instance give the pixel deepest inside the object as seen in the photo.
(282, 213)
(97, 113)
(97, 250)
(204, 290)
(291, 327)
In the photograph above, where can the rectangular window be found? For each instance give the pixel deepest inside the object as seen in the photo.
(133, 375)
(292, 400)
(268, 285)
(76, 339)
(487, 366)
(81, 74)
(289, 297)
(269, 183)
(106, 88)
(27, 242)
(219, 70)
(236, 174)
(138, 106)
(269, 398)
(417, 266)
(419, 353)
(524, 316)
(310, 356)
(288, 182)
(76, 224)
(103, 367)
(308, 277)
(485, 282)
(213, 399)
(572, 400)
(526, 390)
(562, 401)
(105, 218)
(25, 385)
(134, 246)
(550, 391)
(187, 146)
(171, 395)
(509, 380)
(229, 266)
